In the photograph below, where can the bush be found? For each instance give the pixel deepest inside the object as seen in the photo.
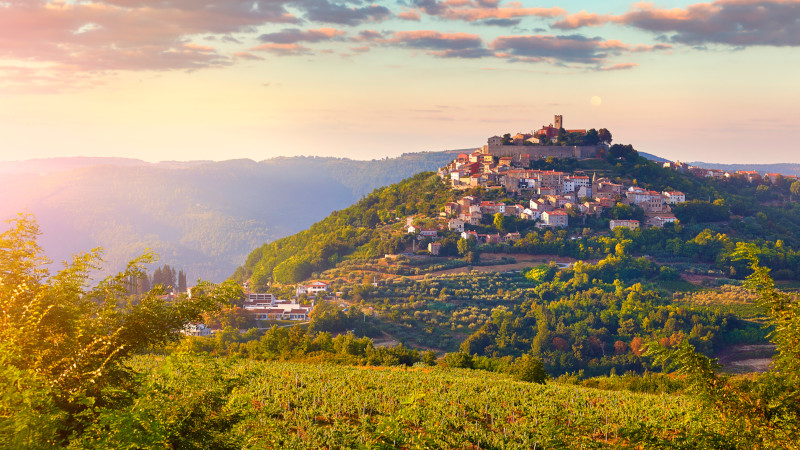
(459, 360)
(529, 369)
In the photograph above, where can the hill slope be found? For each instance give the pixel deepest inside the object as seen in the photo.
(201, 216)
(290, 405)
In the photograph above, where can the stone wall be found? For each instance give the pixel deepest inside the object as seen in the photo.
(545, 151)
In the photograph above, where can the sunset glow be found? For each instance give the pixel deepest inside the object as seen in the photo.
(222, 79)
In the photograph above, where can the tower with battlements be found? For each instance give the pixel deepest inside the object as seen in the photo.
(558, 123)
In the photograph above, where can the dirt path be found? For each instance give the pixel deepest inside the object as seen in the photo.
(523, 262)
(747, 358)
(699, 280)
(386, 341)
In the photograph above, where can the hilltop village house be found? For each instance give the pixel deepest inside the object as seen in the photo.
(553, 197)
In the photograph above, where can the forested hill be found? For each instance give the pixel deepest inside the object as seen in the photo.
(354, 230)
(201, 216)
(734, 208)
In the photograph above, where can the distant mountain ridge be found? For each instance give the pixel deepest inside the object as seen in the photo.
(202, 216)
(782, 168)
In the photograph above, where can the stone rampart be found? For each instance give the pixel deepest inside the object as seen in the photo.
(545, 151)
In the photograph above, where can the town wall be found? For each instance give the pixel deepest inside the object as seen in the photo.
(545, 151)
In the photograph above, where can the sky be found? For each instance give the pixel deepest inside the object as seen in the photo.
(223, 79)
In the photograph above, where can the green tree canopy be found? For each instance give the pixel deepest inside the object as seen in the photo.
(63, 343)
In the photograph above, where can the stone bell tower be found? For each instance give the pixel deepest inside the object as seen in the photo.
(558, 122)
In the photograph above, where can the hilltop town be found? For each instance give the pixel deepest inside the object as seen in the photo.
(550, 197)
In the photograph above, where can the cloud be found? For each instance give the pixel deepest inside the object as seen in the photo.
(581, 19)
(105, 35)
(412, 15)
(368, 35)
(481, 10)
(293, 49)
(564, 49)
(293, 35)
(739, 23)
(621, 66)
(339, 13)
(446, 45)
(538, 48)
(21, 80)
(247, 56)
(501, 22)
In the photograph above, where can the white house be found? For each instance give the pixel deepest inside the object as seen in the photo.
(674, 197)
(196, 329)
(428, 232)
(660, 220)
(313, 288)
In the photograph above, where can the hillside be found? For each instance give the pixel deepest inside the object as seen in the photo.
(471, 368)
(251, 404)
(201, 216)
(612, 291)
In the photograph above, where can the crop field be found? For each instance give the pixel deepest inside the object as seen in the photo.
(295, 405)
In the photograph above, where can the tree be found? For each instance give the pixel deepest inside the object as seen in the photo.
(181, 282)
(499, 221)
(761, 415)
(795, 189)
(604, 136)
(592, 137)
(370, 218)
(465, 246)
(530, 369)
(458, 360)
(63, 345)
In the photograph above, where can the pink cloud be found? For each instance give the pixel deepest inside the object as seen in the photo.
(727, 22)
(446, 45)
(367, 36)
(581, 19)
(469, 10)
(473, 14)
(282, 49)
(292, 35)
(247, 55)
(126, 34)
(621, 66)
(412, 15)
(564, 49)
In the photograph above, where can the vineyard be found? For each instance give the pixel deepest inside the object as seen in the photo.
(292, 405)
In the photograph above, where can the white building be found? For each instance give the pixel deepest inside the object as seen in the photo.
(196, 329)
(674, 197)
(313, 288)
